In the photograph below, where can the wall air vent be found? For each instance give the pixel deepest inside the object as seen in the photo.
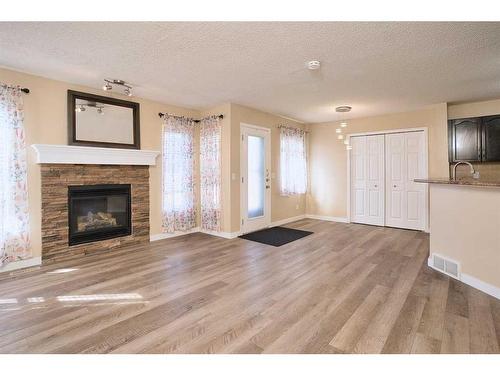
(445, 265)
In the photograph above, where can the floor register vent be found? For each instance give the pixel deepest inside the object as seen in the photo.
(445, 265)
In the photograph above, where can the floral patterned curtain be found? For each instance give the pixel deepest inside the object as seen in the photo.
(14, 214)
(293, 161)
(210, 173)
(178, 208)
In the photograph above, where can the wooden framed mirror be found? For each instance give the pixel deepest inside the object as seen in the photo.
(101, 121)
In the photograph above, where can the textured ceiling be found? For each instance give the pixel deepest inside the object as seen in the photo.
(374, 67)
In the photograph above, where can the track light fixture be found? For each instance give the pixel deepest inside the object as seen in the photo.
(108, 85)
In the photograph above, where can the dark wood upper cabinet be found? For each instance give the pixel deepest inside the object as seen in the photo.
(474, 139)
(491, 138)
(465, 139)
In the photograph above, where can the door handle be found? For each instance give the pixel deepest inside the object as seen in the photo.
(375, 185)
(267, 186)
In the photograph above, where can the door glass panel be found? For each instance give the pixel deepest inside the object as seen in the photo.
(256, 176)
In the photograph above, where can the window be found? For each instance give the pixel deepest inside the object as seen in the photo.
(14, 214)
(178, 207)
(293, 161)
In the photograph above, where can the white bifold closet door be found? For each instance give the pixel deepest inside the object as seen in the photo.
(367, 179)
(405, 199)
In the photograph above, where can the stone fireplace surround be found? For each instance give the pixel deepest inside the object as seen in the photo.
(61, 167)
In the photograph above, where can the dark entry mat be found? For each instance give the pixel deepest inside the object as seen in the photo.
(276, 236)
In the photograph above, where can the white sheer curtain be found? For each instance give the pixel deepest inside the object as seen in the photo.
(293, 161)
(210, 173)
(178, 208)
(14, 214)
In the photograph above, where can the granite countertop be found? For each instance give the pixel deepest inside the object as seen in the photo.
(461, 181)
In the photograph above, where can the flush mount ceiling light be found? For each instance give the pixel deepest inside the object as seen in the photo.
(108, 85)
(343, 108)
(338, 130)
(313, 65)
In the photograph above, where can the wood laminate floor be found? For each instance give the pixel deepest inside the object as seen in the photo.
(347, 288)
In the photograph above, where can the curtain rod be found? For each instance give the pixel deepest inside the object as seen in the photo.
(168, 114)
(23, 89)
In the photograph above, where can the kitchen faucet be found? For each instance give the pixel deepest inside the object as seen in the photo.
(472, 171)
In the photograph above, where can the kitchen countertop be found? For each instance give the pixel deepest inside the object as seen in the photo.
(461, 181)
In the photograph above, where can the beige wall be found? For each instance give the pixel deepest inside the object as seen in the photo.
(328, 156)
(464, 228)
(46, 122)
(281, 207)
(484, 108)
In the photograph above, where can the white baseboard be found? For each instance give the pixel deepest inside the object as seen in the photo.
(473, 282)
(228, 235)
(338, 219)
(481, 285)
(162, 236)
(287, 220)
(25, 263)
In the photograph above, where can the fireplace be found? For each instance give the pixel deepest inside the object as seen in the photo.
(98, 212)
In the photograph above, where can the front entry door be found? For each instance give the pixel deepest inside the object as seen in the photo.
(255, 178)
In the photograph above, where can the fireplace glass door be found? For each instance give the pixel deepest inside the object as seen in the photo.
(98, 212)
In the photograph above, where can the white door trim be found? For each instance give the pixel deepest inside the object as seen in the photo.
(426, 156)
(242, 167)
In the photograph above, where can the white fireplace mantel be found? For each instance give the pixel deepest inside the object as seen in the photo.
(60, 154)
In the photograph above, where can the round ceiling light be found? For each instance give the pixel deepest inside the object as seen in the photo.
(343, 108)
(313, 65)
